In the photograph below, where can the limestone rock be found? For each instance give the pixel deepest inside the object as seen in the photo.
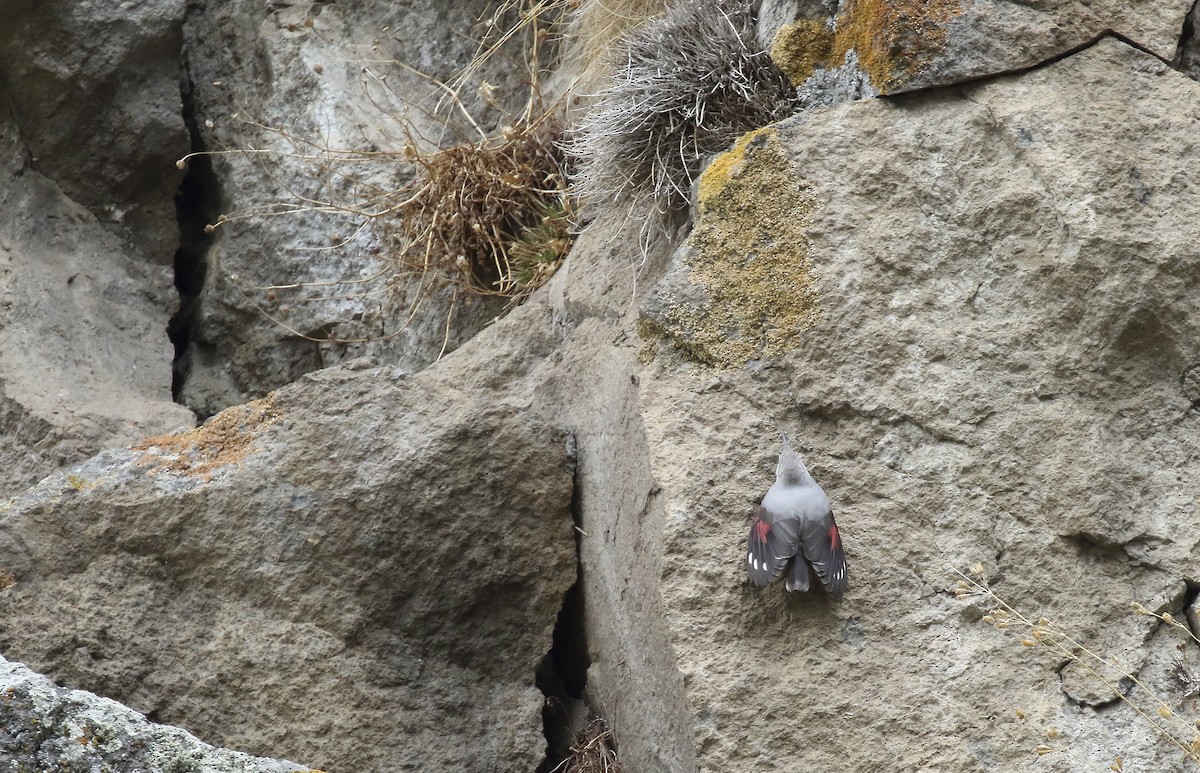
(866, 47)
(1003, 286)
(45, 727)
(362, 571)
(94, 92)
(301, 102)
(84, 354)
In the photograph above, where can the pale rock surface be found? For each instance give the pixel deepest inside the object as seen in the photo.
(1002, 279)
(308, 87)
(362, 572)
(84, 355)
(46, 727)
(1005, 278)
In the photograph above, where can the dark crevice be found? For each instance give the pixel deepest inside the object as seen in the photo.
(562, 673)
(1191, 612)
(196, 205)
(901, 94)
(1186, 53)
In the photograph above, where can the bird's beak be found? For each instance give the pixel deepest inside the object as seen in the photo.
(786, 443)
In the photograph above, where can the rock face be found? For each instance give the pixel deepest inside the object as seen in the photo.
(362, 572)
(94, 93)
(867, 47)
(309, 107)
(972, 302)
(87, 231)
(44, 727)
(1004, 305)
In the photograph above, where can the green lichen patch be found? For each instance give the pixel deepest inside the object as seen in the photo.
(748, 258)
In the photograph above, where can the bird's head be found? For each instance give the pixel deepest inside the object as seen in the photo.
(790, 470)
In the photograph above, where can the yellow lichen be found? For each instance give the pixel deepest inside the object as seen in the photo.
(749, 252)
(891, 39)
(801, 47)
(78, 483)
(222, 440)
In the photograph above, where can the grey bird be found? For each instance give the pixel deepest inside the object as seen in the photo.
(795, 528)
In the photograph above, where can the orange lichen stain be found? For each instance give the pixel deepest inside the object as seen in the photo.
(222, 440)
(892, 39)
(7, 580)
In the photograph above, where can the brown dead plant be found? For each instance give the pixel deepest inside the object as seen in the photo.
(594, 751)
(496, 210)
(1043, 633)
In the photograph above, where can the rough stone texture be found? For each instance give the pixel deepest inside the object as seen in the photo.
(311, 101)
(994, 362)
(45, 727)
(94, 90)
(362, 572)
(84, 355)
(869, 46)
(1007, 303)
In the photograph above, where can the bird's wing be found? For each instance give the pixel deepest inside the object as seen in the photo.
(770, 546)
(822, 546)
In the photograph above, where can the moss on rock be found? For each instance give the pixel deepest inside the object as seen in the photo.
(749, 255)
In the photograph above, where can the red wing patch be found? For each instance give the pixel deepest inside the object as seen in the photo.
(762, 528)
(835, 538)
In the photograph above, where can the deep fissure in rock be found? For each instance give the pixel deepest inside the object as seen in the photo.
(1190, 611)
(196, 205)
(562, 673)
(1186, 53)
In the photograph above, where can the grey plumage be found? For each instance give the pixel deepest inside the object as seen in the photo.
(794, 529)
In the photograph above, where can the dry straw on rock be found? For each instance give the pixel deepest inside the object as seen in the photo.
(495, 210)
(593, 752)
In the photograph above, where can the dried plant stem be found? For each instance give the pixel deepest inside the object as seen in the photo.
(1044, 632)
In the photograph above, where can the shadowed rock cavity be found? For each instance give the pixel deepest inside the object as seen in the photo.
(197, 204)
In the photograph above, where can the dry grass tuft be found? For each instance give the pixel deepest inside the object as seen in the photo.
(686, 86)
(594, 751)
(496, 211)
